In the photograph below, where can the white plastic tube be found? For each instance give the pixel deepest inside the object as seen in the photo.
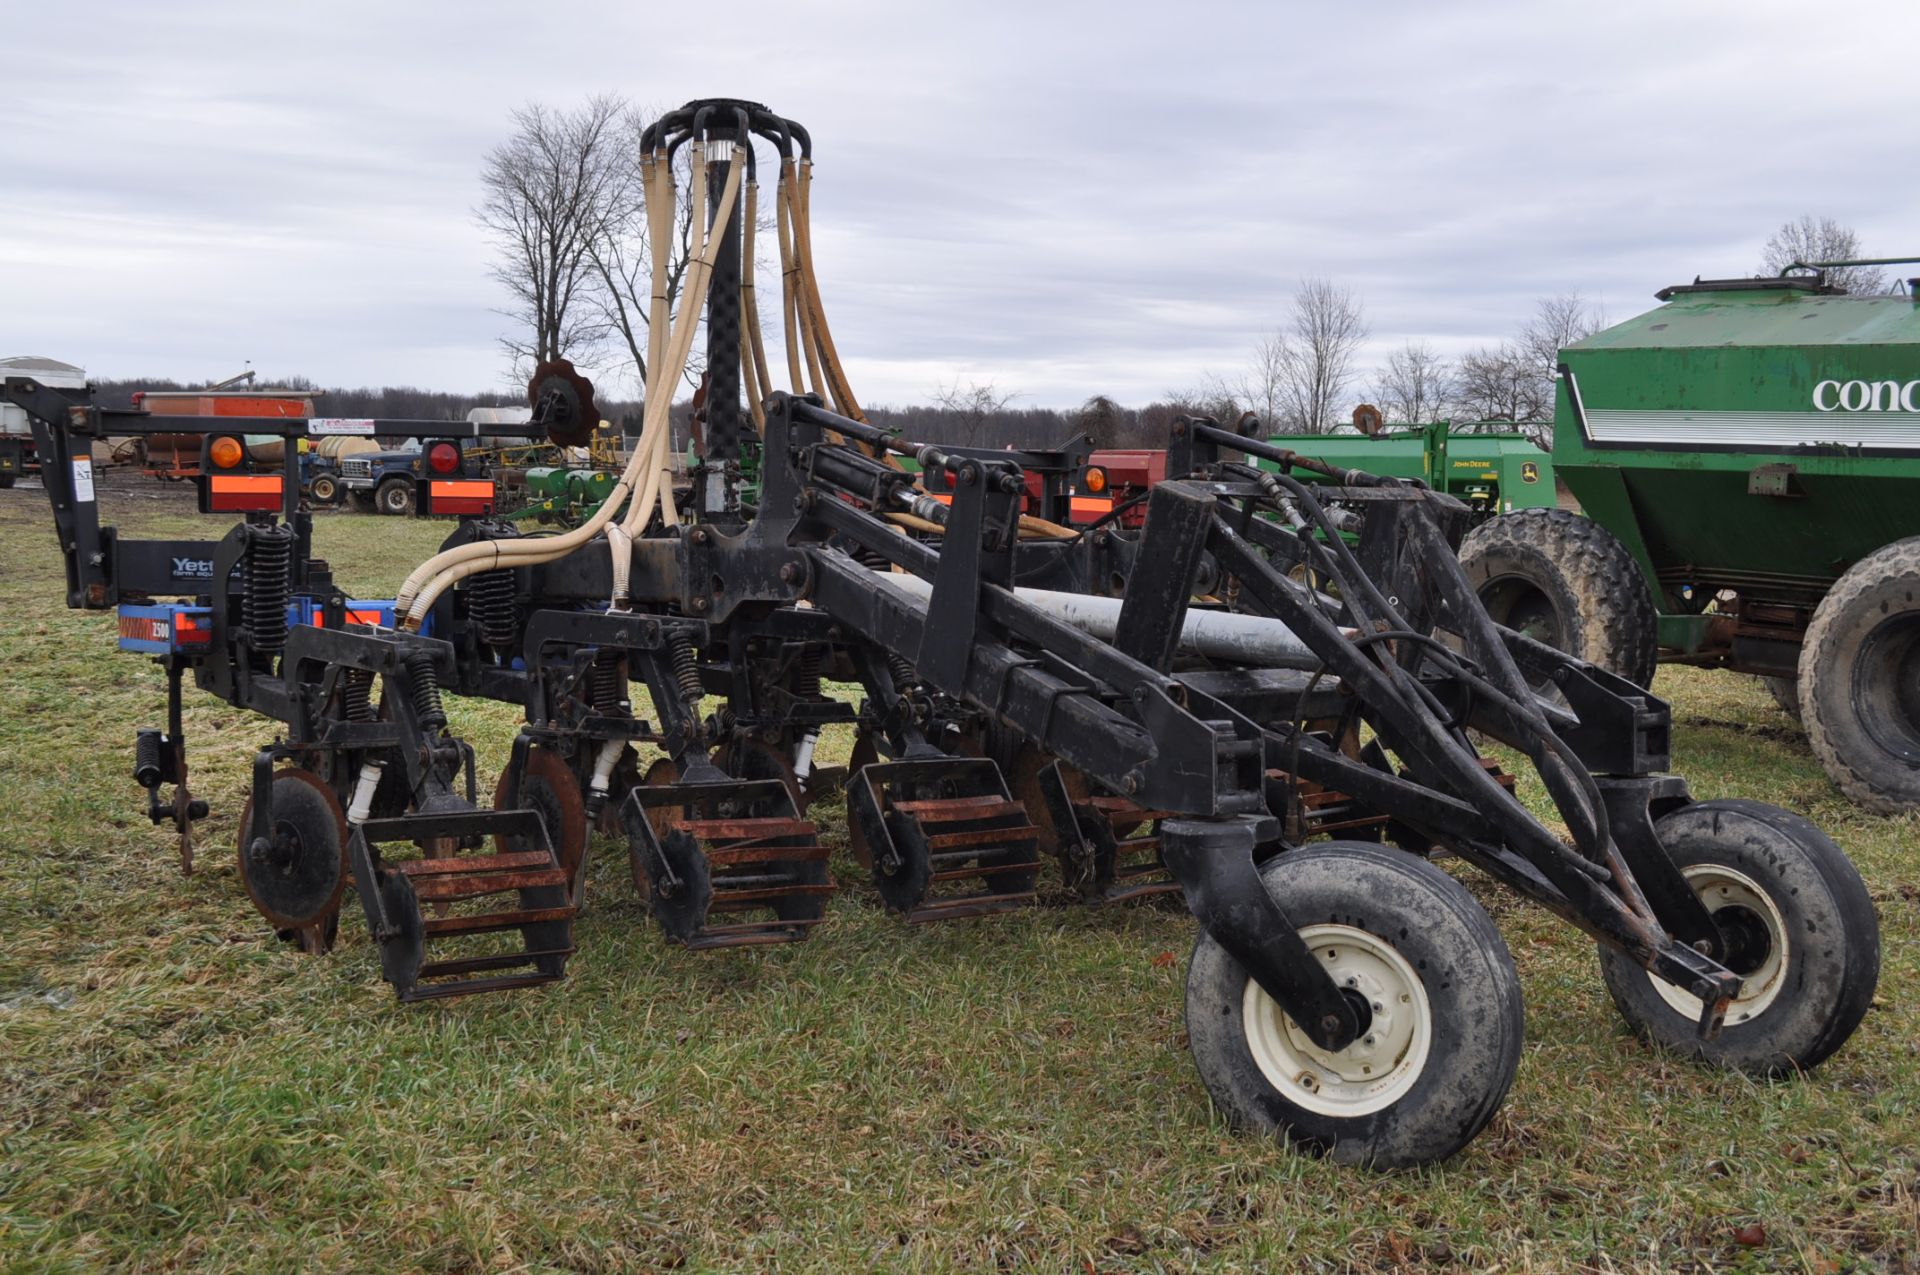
(1220, 635)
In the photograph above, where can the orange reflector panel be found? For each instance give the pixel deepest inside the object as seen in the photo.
(460, 496)
(242, 493)
(1087, 508)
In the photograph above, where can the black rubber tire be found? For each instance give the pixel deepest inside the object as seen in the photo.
(395, 496)
(1860, 680)
(1569, 582)
(1833, 941)
(1465, 969)
(325, 490)
(1786, 694)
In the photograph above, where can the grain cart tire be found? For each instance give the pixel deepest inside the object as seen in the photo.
(1442, 1023)
(1567, 581)
(1786, 694)
(1860, 680)
(394, 497)
(325, 490)
(1799, 929)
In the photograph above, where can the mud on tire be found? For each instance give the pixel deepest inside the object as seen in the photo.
(1796, 923)
(1860, 680)
(1441, 1030)
(1565, 580)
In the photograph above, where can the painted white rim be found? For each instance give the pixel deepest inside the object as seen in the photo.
(1375, 1071)
(1721, 887)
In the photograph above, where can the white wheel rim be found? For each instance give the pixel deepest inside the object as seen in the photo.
(1375, 1071)
(1720, 887)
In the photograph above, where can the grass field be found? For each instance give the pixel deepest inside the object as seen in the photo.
(177, 1089)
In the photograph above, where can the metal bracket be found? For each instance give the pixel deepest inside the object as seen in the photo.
(1213, 861)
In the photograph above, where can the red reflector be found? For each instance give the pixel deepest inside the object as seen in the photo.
(189, 628)
(242, 493)
(460, 496)
(353, 617)
(443, 458)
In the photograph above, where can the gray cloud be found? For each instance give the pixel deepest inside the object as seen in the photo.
(1064, 199)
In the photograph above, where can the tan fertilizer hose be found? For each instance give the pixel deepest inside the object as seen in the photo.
(441, 572)
(789, 286)
(759, 381)
(830, 359)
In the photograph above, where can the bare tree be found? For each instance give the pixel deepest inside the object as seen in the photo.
(1215, 396)
(622, 258)
(1315, 354)
(972, 403)
(1264, 389)
(550, 189)
(1416, 385)
(1806, 240)
(1503, 383)
(1557, 322)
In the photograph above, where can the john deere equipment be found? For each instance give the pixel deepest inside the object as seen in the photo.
(1748, 459)
(1156, 709)
(1489, 466)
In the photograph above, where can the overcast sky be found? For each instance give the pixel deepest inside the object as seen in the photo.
(1062, 199)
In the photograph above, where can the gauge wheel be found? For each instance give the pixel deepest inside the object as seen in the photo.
(1795, 923)
(1433, 985)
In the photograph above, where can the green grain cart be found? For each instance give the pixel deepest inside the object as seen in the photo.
(1748, 458)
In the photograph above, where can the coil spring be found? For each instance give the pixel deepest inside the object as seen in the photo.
(493, 604)
(807, 680)
(269, 559)
(606, 686)
(903, 674)
(426, 689)
(147, 767)
(872, 559)
(686, 667)
(356, 695)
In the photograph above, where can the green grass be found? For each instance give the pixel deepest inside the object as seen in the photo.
(177, 1089)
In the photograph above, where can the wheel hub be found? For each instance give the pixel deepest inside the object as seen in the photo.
(1887, 686)
(1396, 1028)
(1753, 937)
